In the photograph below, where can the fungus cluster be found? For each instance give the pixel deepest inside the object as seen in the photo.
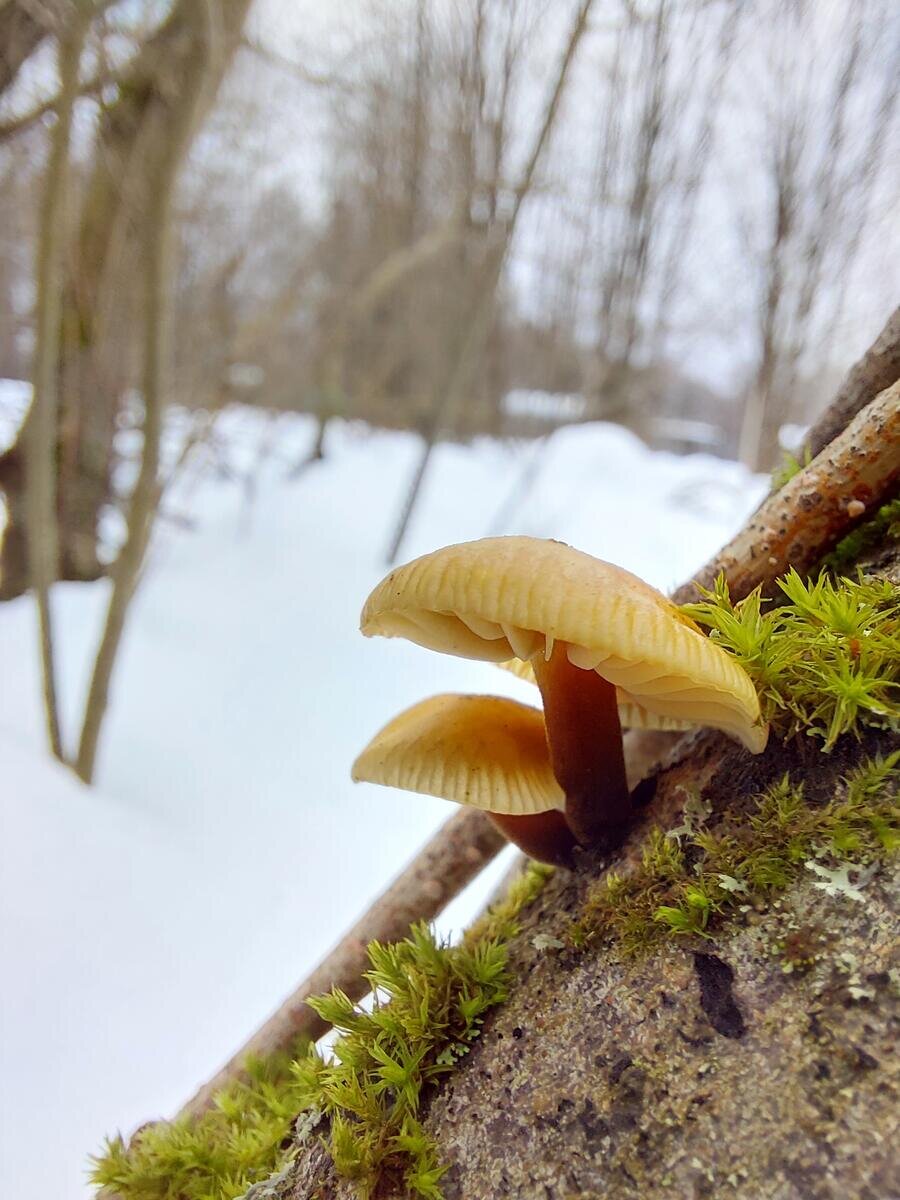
(605, 649)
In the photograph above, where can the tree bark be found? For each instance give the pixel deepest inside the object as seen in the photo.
(844, 485)
(700, 1069)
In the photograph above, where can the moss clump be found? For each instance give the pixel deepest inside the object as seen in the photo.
(216, 1156)
(881, 530)
(429, 1003)
(824, 660)
(693, 878)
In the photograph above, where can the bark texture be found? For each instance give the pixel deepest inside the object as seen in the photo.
(703, 1069)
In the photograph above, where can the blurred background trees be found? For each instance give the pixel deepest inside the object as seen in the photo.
(484, 217)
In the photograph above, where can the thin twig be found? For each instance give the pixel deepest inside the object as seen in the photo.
(25, 120)
(453, 857)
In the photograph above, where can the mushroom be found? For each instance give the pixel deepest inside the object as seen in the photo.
(598, 640)
(483, 751)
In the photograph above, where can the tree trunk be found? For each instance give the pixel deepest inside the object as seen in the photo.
(177, 71)
(40, 449)
(702, 1068)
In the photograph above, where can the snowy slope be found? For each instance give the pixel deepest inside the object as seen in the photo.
(149, 925)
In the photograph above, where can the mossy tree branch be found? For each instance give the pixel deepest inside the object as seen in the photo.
(451, 848)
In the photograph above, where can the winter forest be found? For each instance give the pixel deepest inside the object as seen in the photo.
(558, 293)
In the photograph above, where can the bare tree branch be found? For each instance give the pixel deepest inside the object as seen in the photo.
(23, 122)
(440, 871)
(876, 370)
(796, 526)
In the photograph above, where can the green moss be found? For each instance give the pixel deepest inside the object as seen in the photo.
(430, 1001)
(429, 1004)
(883, 529)
(790, 465)
(216, 1156)
(691, 879)
(824, 660)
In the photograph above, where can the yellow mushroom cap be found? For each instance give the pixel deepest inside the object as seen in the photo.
(483, 751)
(515, 597)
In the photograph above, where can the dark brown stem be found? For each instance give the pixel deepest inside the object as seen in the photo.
(585, 740)
(544, 836)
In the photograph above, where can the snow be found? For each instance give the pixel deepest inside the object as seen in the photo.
(148, 925)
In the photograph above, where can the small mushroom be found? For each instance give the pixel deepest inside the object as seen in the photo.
(598, 640)
(483, 751)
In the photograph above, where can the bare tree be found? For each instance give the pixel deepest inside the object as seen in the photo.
(211, 36)
(40, 450)
(827, 112)
(100, 299)
(450, 394)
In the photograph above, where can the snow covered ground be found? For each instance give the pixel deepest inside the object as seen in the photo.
(147, 926)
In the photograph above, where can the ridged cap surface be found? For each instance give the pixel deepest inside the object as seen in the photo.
(515, 597)
(484, 751)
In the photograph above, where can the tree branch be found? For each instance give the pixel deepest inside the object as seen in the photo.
(796, 526)
(878, 368)
(440, 871)
(19, 124)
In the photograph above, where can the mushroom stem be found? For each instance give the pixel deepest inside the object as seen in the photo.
(585, 740)
(544, 836)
